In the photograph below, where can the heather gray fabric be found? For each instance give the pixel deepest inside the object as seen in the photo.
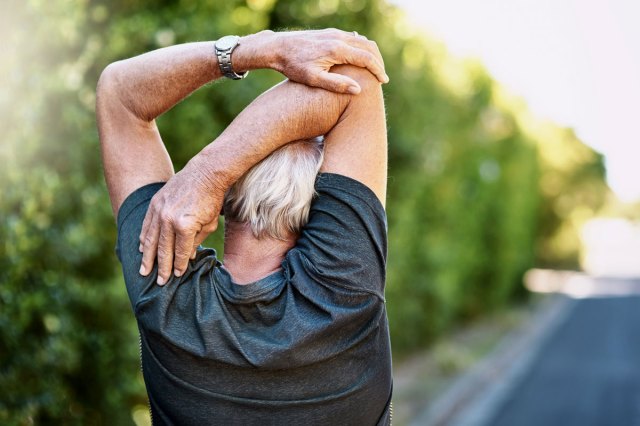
(308, 344)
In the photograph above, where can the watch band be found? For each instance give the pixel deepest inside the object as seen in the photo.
(224, 48)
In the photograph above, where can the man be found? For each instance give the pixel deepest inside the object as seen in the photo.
(292, 329)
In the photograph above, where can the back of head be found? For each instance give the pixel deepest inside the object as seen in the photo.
(274, 196)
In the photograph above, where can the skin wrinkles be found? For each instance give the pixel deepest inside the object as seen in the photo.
(248, 258)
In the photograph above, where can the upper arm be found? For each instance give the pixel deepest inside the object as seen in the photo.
(133, 154)
(356, 146)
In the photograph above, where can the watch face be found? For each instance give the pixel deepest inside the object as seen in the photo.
(226, 42)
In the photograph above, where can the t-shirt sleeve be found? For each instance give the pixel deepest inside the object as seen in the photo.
(345, 241)
(130, 218)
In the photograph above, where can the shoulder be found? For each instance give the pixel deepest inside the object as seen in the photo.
(333, 186)
(129, 221)
(345, 241)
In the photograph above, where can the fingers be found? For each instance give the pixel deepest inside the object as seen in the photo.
(172, 241)
(366, 59)
(206, 230)
(150, 246)
(360, 45)
(337, 83)
(199, 238)
(183, 250)
(165, 253)
(315, 51)
(146, 224)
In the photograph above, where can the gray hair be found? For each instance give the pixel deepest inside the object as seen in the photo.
(274, 196)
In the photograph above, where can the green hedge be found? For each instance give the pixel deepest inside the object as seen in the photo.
(476, 191)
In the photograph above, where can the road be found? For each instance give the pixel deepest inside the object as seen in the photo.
(588, 371)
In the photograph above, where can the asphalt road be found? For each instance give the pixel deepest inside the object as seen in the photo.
(587, 373)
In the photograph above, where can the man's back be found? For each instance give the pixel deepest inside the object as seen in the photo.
(306, 344)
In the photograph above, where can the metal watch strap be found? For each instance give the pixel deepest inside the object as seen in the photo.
(224, 61)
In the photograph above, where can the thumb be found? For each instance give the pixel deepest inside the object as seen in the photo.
(199, 239)
(203, 234)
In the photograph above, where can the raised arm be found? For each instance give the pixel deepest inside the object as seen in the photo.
(133, 92)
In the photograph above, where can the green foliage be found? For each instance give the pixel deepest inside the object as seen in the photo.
(473, 192)
(573, 188)
(66, 355)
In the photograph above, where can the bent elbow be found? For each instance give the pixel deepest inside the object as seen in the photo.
(112, 97)
(107, 86)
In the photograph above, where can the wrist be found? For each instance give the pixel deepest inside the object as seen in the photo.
(206, 176)
(256, 51)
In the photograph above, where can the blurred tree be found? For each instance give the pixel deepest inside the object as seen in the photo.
(474, 190)
(574, 190)
(66, 355)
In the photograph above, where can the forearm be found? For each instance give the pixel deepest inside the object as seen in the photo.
(286, 113)
(150, 84)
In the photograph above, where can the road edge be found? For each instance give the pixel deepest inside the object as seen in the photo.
(475, 396)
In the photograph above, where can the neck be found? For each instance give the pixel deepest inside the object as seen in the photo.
(248, 258)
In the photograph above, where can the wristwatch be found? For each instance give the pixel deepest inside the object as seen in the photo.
(224, 48)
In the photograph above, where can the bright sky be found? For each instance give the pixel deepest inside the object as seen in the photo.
(576, 62)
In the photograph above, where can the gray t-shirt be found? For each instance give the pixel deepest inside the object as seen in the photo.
(308, 344)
